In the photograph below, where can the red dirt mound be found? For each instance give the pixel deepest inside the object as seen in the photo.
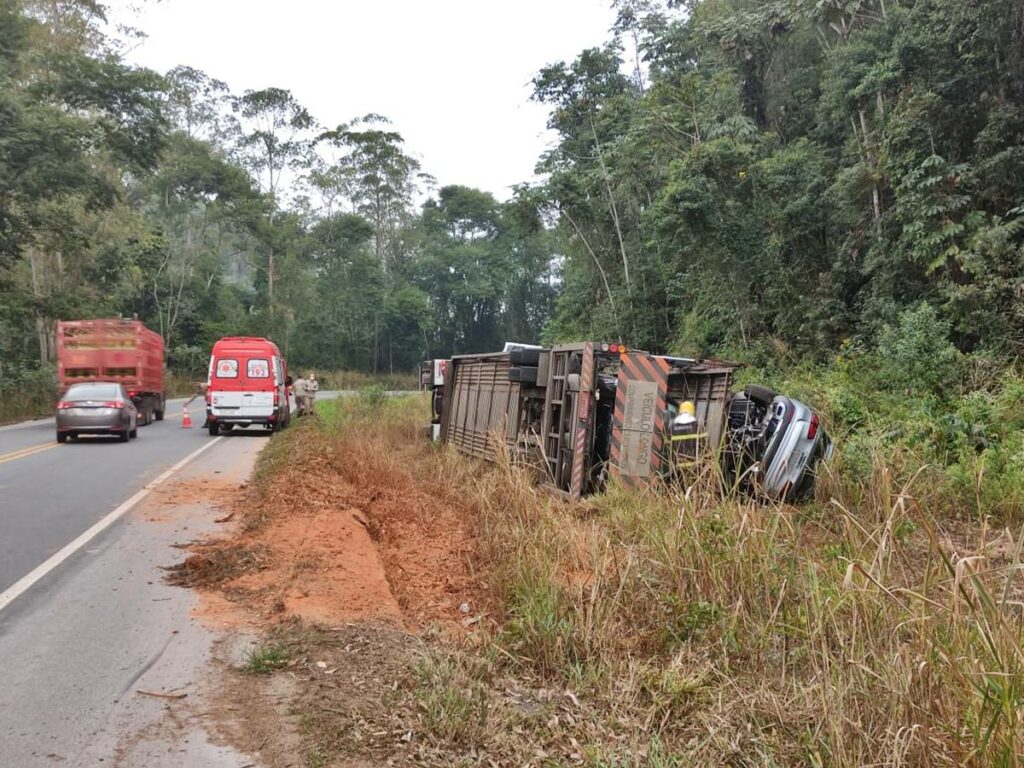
(336, 547)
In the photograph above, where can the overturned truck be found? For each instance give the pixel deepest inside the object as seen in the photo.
(583, 412)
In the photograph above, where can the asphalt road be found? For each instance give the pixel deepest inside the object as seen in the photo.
(51, 493)
(77, 640)
(85, 616)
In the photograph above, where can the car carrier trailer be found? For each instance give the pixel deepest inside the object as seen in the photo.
(585, 411)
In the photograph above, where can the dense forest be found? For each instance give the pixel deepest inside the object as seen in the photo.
(765, 178)
(124, 192)
(796, 172)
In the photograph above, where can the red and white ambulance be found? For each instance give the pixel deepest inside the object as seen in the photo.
(248, 384)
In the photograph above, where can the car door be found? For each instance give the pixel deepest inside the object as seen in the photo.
(225, 385)
(257, 385)
(281, 384)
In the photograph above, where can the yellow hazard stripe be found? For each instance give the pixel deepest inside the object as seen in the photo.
(24, 452)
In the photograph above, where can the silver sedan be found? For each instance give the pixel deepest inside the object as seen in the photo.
(97, 408)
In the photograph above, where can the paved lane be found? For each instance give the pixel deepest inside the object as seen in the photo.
(51, 493)
(79, 645)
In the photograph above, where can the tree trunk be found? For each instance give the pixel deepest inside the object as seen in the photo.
(45, 328)
(270, 256)
(270, 280)
(614, 208)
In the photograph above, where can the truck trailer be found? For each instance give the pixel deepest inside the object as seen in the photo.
(581, 413)
(124, 352)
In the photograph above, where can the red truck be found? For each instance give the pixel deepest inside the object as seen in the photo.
(121, 351)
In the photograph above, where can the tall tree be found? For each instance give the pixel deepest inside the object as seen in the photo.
(275, 140)
(377, 175)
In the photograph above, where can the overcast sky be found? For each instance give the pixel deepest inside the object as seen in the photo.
(452, 75)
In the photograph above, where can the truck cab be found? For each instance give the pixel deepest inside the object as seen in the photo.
(247, 385)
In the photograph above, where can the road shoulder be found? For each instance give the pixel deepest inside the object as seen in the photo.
(105, 664)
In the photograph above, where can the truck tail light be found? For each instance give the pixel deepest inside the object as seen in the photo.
(812, 428)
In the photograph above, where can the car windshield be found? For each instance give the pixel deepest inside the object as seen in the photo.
(93, 392)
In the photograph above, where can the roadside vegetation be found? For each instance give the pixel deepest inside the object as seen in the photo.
(878, 625)
(31, 393)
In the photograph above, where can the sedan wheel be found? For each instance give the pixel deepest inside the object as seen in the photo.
(62, 437)
(123, 436)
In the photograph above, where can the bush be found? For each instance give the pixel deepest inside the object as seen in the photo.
(373, 396)
(190, 362)
(917, 354)
(27, 392)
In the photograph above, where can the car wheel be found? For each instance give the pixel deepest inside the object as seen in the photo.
(135, 432)
(124, 436)
(62, 437)
(214, 429)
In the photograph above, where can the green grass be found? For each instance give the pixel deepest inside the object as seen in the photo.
(866, 628)
(454, 707)
(316, 758)
(267, 658)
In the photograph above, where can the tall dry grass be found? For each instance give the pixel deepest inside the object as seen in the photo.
(710, 629)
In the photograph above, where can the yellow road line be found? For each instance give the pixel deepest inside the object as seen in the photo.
(14, 455)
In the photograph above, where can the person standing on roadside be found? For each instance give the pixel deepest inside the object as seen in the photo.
(312, 387)
(300, 388)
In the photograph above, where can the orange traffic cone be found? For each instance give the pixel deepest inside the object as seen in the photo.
(186, 421)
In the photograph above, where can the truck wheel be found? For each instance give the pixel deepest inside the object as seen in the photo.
(158, 414)
(527, 357)
(214, 429)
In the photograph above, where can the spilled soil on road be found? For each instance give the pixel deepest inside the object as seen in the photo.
(324, 538)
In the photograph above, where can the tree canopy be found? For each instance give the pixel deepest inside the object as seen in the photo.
(726, 175)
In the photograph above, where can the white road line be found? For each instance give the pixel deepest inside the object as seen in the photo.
(12, 593)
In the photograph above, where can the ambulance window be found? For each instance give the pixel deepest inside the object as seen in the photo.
(258, 368)
(227, 368)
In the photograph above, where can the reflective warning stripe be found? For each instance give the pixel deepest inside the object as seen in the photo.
(639, 367)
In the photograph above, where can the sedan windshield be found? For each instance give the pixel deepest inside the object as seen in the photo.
(93, 392)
